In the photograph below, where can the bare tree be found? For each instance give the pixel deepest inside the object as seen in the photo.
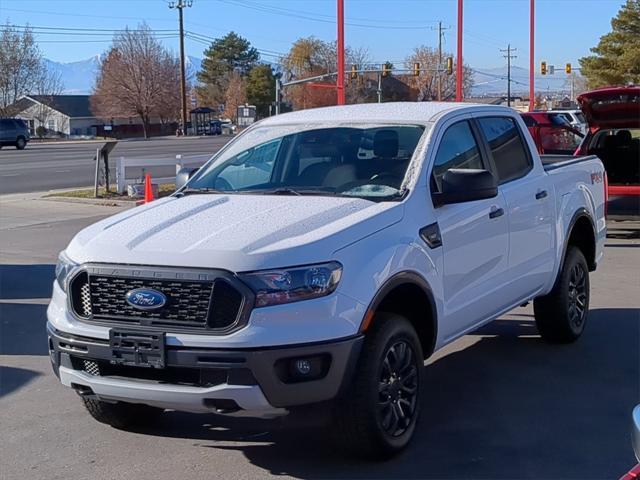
(138, 77)
(426, 83)
(48, 84)
(235, 95)
(20, 65)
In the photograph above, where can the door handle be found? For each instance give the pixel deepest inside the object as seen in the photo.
(541, 194)
(496, 212)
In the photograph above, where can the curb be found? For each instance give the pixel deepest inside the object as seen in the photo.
(103, 202)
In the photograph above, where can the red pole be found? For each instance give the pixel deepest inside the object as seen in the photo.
(459, 60)
(532, 89)
(340, 79)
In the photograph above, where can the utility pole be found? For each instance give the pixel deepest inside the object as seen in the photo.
(508, 56)
(340, 55)
(379, 91)
(440, 36)
(180, 5)
(459, 63)
(532, 22)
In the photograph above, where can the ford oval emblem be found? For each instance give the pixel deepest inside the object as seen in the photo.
(146, 299)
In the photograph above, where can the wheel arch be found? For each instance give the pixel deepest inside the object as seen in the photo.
(581, 233)
(408, 294)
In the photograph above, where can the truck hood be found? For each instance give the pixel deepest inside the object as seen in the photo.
(614, 107)
(232, 232)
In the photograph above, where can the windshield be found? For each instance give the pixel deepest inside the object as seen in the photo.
(368, 161)
(559, 119)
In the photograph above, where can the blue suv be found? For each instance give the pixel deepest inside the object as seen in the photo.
(14, 132)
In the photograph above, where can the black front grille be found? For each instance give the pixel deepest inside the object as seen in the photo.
(211, 304)
(187, 302)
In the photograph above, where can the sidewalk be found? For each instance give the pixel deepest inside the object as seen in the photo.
(28, 209)
(34, 230)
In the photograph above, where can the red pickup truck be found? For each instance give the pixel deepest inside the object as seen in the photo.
(613, 114)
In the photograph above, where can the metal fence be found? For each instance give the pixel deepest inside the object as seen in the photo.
(124, 167)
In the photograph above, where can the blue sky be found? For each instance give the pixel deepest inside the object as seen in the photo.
(389, 29)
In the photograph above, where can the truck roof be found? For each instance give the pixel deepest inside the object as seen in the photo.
(408, 112)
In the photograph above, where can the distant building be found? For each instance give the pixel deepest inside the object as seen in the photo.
(71, 116)
(59, 115)
(246, 115)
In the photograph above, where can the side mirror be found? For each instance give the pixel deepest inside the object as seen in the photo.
(465, 185)
(183, 176)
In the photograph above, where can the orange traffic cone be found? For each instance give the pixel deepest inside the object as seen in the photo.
(148, 191)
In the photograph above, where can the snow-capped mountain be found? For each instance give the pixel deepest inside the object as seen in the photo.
(79, 77)
(493, 81)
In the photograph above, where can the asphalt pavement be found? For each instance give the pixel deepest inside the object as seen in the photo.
(501, 404)
(42, 167)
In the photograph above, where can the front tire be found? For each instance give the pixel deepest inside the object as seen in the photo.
(21, 143)
(121, 415)
(561, 315)
(377, 415)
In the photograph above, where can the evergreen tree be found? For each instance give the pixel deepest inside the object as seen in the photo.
(226, 55)
(617, 56)
(261, 88)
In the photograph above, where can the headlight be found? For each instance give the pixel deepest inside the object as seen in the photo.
(63, 268)
(273, 287)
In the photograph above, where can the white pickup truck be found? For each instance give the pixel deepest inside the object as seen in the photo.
(318, 259)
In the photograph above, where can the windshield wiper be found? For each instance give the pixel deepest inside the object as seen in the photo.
(293, 191)
(197, 191)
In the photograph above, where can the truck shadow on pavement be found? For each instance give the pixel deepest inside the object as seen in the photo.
(13, 378)
(506, 406)
(24, 292)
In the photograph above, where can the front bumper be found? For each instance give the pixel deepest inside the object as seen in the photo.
(197, 379)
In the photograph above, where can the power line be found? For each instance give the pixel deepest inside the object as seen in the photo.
(305, 16)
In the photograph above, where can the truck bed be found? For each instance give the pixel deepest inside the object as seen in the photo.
(552, 162)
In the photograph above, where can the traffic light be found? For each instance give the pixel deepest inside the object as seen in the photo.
(416, 69)
(386, 69)
(449, 65)
(543, 68)
(567, 68)
(354, 72)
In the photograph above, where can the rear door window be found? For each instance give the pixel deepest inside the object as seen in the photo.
(458, 149)
(509, 152)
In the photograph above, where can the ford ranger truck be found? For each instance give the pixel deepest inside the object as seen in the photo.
(318, 259)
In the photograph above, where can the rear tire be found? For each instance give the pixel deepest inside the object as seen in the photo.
(377, 415)
(561, 315)
(121, 415)
(21, 143)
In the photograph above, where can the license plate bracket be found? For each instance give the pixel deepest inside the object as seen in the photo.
(136, 348)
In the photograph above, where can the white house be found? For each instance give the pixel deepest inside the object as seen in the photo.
(60, 115)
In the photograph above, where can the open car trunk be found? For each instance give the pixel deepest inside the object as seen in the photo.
(614, 136)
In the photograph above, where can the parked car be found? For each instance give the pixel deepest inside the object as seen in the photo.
(14, 132)
(614, 136)
(634, 473)
(575, 118)
(228, 128)
(305, 265)
(215, 127)
(552, 133)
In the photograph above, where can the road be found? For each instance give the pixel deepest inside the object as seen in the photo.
(500, 403)
(40, 168)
